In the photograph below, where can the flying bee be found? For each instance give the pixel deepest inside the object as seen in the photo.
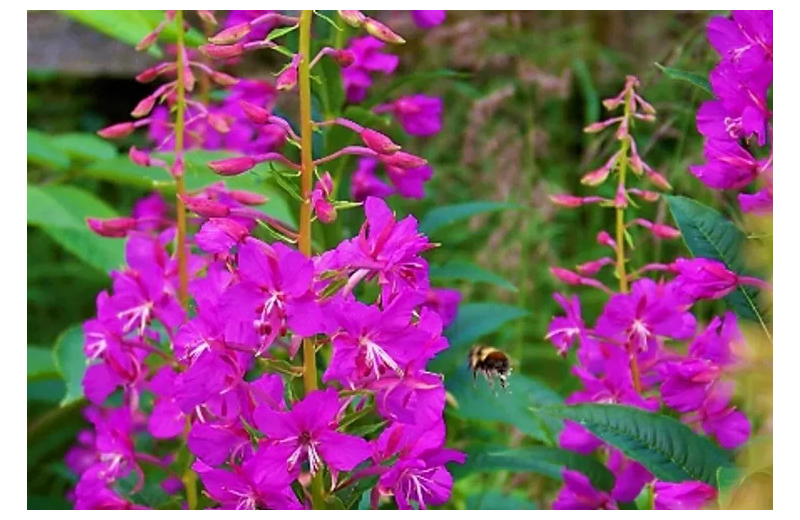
(492, 362)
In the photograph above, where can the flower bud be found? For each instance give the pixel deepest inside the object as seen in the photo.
(566, 200)
(657, 179)
(647, 107)
(591, 268)
(663, 231)
(353, 18)
(139, 157)
(621, 198)
(565, 275)
(622, 130)
(403, 160)
(178, 168)
(146, 42)
(208, 17)
(324, 210)
(224, 80)
(600, 125)
(232, 165)
(232, 34)
(649, 196)
(288, 78)
(248, 198)
(378, 142)
(218, 123)
(144, 106)
(604, 239)
(255, 113)
(344, 57)
(117, 130)
(381, 32)
(326, 184)
(150, 74)
(111, 227)
(204, 207)
(222, 51)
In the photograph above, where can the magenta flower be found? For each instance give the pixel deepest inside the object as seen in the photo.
(306, 433)
(243, 489)
(687, 382)
(682, 495)
(745, 41)
(410, 182)
(716, 343)
(428, 19)
(419, 474)
(575, 437)
(718, 419)
(744, 98)
(445, 303)
(728, 165)
(419, 114)
(648, 311)
(368, 60)
(364, 183)
(759, 203)
(578, 493)
(167, 419)
(704, 278)
(630, 477)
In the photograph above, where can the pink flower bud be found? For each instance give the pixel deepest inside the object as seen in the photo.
(622, 130)
(663, 231)
(566, 276)
(325, 184)
(324, 210)
(567, 201)
(381, 32)
(649, 196)
(218, 123)
(288, 78)
(232, 165)
(116, 131)
(232, 228)
(224, 80)
(222, 52)
(255, 113)
(178, 168)
(353, 18)
(144, 106)
(204, 207)
(612, 103)
(146, 42)
(600, 125)
(139, 157)
(111, 227)
(657, 179)
(248, 197)
(647, 107)
(403, 160)
(208, 17)
(604, 239)
(591, 268)
(620, 199)
(344, 57)
(150, 74)
(378, 142)
(232, 34)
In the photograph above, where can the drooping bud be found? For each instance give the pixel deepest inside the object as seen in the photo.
(248, 198)
(604, 239)
(116, 131)
(565, 275)
(232, 34)
(144, 106)
(323, 209)
(146, 42)
(117, 227)
(622, 130)
(139, 157)
(288, 78)
(152, 73)
(403, 160)
(599, 176)
(657, 179)
(326, 184)
(224, 80)
(344, 57)
(566, 200)
(204, 207)
(649, 196)
(658, 230)
(621, 198)
(381, 32)
(378, 142)
(208, 17)
(218, 123)
(647, 107)
(232, 165)
(188, 76)
(255, 113)
(600, 125)
(591, 268)
(222, 52)
(179, 167)
(353, 18)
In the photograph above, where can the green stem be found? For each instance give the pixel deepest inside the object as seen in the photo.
(304, 240)
(183, 283)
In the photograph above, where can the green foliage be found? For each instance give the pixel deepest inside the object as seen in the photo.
(543, 460)
(447, 215)
(710, 235)
(698, 80)
(497, 501)
(41, 364)
(42, 152)
(668, 448)
(70, 362)
(61, 212)
(460, 270)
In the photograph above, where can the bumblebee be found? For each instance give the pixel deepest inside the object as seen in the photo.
(492, 362)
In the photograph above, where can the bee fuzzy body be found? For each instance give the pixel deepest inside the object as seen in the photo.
(491, 362)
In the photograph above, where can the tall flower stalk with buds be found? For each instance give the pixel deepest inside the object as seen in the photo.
(198, 336)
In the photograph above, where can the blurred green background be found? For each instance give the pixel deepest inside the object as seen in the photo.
(527, 83)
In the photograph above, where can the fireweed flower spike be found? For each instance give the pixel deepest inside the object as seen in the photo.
(181, 347)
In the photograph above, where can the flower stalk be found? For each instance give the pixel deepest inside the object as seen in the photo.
(183, 283)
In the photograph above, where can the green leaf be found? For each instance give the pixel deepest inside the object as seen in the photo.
(42, 151)
(446, 215)
(122, 171)
(61, 211)
(416, 79)
(70, 362)
(459, 270)
(86, 147)
(667, 447)
(327, 19)
(41, 364)
(728, 478)
(475, 320)
(127, 26)
(497, 501)
(698, 80)
(708, 234)
(277, 33)
(475, 400)
(331, 92)
(537, 459)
